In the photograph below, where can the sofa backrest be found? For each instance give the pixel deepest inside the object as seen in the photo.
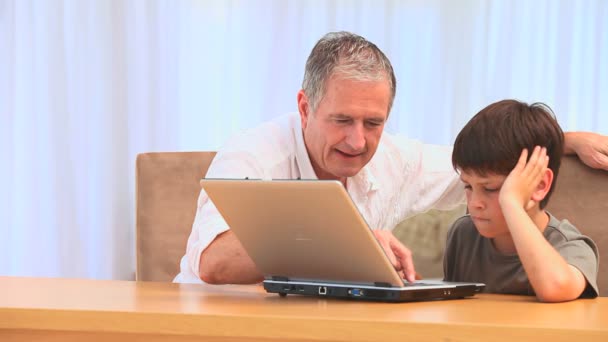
(581, 197)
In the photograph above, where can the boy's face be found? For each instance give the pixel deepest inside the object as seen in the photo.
(482, 201)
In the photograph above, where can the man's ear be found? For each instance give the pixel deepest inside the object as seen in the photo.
(544, 186)
(303, 107)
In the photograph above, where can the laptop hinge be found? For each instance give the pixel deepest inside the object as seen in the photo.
(279, 278)
(382, 284)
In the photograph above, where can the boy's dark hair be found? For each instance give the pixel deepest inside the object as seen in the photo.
(492, 141)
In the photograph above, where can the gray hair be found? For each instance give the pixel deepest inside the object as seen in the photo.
(349, 55)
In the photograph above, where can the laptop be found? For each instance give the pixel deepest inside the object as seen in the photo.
(307, 237)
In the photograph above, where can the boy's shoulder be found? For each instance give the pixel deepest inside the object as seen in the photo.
(564, 236)
(562, 230)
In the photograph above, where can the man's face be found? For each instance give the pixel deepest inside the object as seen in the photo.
(343, 133)
(482, 202)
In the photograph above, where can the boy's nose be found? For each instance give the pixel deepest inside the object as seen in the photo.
(475, 202)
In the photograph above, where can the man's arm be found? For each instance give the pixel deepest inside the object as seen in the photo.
(225, 261)
(591, 148)
(215, 255)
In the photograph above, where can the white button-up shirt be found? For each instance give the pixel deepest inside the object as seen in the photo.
(403, 178)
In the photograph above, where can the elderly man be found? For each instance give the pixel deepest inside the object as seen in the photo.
(346, 96)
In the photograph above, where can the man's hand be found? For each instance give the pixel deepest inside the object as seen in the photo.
(524, 178)
(591, 148)
(399, 255)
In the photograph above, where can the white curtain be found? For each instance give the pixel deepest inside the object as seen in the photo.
(86, 85)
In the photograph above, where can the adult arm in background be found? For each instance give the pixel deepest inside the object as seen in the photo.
(591, 148)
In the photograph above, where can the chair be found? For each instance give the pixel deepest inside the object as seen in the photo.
(581, 196)
(167, 188)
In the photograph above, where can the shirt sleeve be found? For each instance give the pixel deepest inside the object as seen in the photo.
(440, 180)
(582, 254)
(208, 222)
(430, 180)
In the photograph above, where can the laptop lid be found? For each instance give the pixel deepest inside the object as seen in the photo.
(307, 230)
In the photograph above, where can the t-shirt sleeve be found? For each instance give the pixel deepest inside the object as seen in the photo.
(582, 253)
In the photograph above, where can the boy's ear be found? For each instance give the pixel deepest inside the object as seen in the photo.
(544, 186)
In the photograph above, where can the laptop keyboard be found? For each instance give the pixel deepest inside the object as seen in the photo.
(407, 284)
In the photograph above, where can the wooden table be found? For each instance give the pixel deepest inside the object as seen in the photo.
(34, 309)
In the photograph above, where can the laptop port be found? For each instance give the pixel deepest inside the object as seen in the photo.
(322, 290)
(355, 292)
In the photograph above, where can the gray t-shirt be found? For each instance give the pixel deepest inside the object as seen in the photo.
(471, 257)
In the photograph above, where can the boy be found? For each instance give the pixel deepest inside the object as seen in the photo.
(507, 240)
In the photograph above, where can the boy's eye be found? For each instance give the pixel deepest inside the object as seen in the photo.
(373, 123)
(491, 190)
(467, 187)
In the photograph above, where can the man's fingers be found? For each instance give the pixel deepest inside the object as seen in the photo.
(404, 257)
(399, 256)
(597, 160)
(386, 246)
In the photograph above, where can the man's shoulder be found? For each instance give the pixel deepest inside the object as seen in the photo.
(396, 143)
(259, 151)
(396, 151)
(279, 129)
(413, 154)
(276, 136)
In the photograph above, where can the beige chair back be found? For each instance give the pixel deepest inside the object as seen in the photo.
(581, 196)
(167, 192)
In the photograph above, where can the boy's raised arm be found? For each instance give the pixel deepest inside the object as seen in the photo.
(551, 277)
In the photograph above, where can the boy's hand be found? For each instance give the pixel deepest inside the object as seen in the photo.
(524, 178)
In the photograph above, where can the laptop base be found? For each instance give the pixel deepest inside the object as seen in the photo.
(415, 292)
